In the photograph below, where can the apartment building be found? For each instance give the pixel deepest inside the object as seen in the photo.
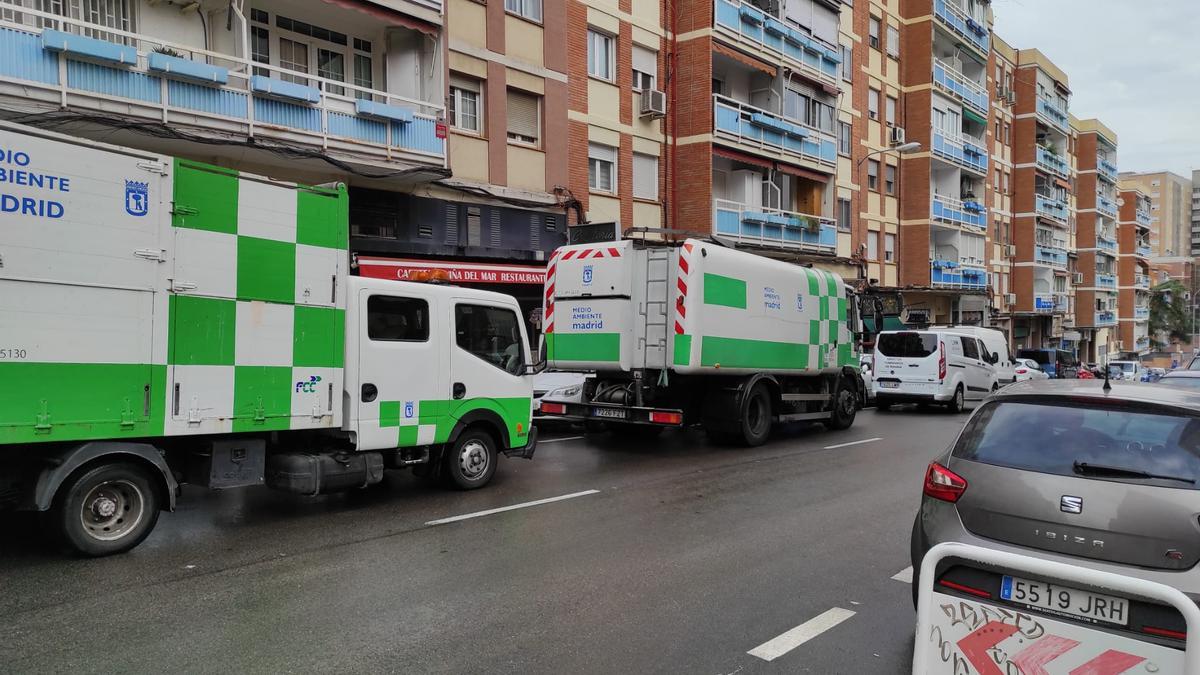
(1134, 226)
(1195, 230)
(1103, 270)
(1002, 70)
(1170, 210)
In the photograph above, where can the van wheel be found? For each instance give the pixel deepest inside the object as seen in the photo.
(472, 462)
(755, 416)
(957, 403)
(844, 407)
(107, 509)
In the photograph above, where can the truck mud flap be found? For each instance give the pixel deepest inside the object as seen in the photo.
(611, 412)
(526, 451)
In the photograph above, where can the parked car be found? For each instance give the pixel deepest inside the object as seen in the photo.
(866, 367)
(1085, 374)
(556, 386)
(1152, 374)
(1070, 471)
(931, 366)
(1028, 369)
(1130, 370)
(1054, 362)
(996, 344)
(1184, 379)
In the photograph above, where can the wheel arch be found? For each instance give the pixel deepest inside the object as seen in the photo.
(78, 458)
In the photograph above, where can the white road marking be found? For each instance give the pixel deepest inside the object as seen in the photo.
(773, 649)
(502, 509)
(559, 440)
(843, 445)
(904, 575)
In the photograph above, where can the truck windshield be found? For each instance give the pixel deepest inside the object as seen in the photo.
(907, 345)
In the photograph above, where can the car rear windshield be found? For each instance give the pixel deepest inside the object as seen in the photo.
(1091, 439)
(908, 345)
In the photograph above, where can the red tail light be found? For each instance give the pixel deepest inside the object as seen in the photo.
(941, 360)
(942, 483)
(1164, 632)
(970, 590)
(1022, 371)
(553, 408)
(666, 418)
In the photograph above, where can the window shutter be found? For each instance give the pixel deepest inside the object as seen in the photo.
(452, 224)
(466, 83)
(494, 231)
(645, 60)
(522, 114)
(645, 176)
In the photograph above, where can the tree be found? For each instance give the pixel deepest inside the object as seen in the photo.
(1170, 313)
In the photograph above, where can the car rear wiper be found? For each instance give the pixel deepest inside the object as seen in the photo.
(1085, 469)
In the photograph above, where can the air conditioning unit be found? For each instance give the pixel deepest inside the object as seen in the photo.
(1010, 298)
(654, 103)
(1078, 278)
(897, 136)
(1010, 250)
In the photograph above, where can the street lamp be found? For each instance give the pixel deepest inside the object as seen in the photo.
(901, 149)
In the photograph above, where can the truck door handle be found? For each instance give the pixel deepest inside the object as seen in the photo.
(369, 392)
(459, 390)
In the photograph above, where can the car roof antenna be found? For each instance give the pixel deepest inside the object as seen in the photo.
(1107, 386)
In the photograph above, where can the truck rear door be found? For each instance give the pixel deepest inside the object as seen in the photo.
(909, 357)
(592, 313)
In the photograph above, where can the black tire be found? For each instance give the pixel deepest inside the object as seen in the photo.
(754, 418)
(106, 509)
(626, 430)
(471, 461)
(844, 406)
(957, 404)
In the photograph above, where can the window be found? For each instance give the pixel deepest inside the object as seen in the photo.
(645, 68)
(524, 117)
(873, 174)
(999, 78)
(999, 129)
(392, 319)
(331, 65)
(602, 168)
(844, 138)
(872, 245)
(260, 47)
(645, 176)
(889, 247)
(889, 180)
(1007, 133)
(1004, 181)
(889, 112)
(893, 42)
(844, 215)
(306, 48)
(996, 180)
(873, 35)
(491, 333)
(293, 56)
(873, 103)
(600, 55)
(847, 63)
(465, 112)
(970, 348)
(530, 9)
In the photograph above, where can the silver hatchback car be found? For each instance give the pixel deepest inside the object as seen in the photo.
(1068, 470)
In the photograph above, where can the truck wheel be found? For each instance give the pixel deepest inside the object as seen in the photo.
(107, 509)
(755, 417)
(472, 462)
(956, 404)
(844, 408)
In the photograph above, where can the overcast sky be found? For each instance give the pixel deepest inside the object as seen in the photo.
(1134, 64)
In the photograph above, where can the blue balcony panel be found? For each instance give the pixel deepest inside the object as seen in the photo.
(89, 48)
(284, 89)
(419, 135)
(186, 69)
(392, 113)
(22, 58)
(117, 82)
(212, 100)
(286, 114)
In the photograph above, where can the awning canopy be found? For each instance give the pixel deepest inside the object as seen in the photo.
(386, 15)
(743, 59)
(973, 116)
(752, 160)
(1063, 183)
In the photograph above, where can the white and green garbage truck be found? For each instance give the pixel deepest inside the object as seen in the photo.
(164, 321)
(698, 333)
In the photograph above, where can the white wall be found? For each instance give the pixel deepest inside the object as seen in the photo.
(167, 23)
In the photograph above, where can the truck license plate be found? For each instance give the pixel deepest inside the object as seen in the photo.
(613, 413)
(1066, 600)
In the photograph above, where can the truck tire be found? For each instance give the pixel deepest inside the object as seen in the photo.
(958, 402)
(106, 509)
(471, 462)
(754, 418)
(844, 407)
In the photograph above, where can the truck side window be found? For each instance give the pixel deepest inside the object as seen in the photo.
(392, 319)
(491, 333)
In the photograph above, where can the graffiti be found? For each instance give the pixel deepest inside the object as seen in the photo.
(986, 628)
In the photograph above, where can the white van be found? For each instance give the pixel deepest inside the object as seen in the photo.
(996, 343)
(1130, 370)
(931, 366)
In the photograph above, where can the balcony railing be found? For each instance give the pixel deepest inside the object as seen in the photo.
(1044, 255)
(1106, 317)
(1143, 217)
(1142, 251)
(1106, 280)
(774, 227)
(960, 151)
(957, 274)
(750, 26)
(1141, 342)
(1141, 281)
(1051, 114)
(175, 84)
(1052, 208)
(1105, 244)
(1045, 303)
(1106, 206)
(1107, 170)
(955, 83)
(1141, 312)
(1052, 163)
(960, 23)
(773, 134)
(950, 210)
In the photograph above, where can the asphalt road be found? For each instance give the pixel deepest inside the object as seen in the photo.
(686, 558)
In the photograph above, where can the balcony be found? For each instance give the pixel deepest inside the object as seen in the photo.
(1143, 217)
(1106, 281)
(1141, 343)
(773, 227)
(1106, 206)
(1141, 281)
(1046, 303)
(1141, 313)
(960, 152)
(1052, 163)
(749, 26)
(1052, 208)
(956, 274)
(1050, 113)
(961, 24)
(175, 85)
(958, 86)
(1142, 251)
(772, 134)
(968, 213)
(1106, 317)
(1106, 244)
(1052, 257)
(1107, 170)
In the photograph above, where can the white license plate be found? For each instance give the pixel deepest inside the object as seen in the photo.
(889, 385)
(614, 413)
(1066, 600)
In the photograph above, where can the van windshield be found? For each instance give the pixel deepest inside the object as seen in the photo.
(909, 345)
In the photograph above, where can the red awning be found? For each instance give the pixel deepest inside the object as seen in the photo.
(387, 15)
(744, 59)
(1063, 183)
(743, 157)
(802, 173)
(455, 272)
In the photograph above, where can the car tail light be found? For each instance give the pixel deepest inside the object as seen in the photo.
(942, 483)
(666, 418)
(1164, 632)
(553, 408)
(941, 360)
(1022, 371)
(970, 590)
